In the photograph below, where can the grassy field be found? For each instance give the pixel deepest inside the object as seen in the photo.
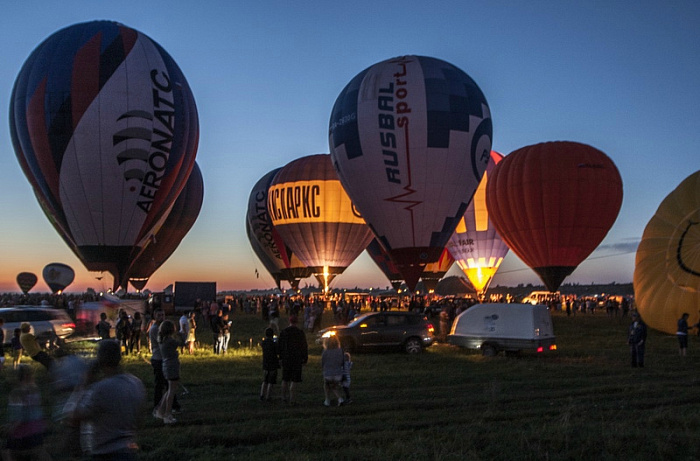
(584, 402)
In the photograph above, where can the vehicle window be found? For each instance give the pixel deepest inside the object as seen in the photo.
(414, 319)
(374, 320)
(393, 320)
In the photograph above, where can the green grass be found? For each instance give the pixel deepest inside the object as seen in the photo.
(584, 402)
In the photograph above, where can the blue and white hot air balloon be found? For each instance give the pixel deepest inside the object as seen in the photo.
(410, 138)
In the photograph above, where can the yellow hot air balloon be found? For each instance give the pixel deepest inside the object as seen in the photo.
(475, 245)
(667, 265)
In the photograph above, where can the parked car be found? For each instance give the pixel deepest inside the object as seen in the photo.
(409, 331)
(49, 325)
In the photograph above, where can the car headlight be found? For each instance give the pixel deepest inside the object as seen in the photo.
(328, 334)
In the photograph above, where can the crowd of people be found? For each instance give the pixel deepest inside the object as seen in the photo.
(106, 389)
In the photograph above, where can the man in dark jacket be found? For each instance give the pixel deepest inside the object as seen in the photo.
(637, 340)
(294, 353)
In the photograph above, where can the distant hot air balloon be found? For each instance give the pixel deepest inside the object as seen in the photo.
(410, 138)
(553, 203)
(180, 220)
(58, 276)
(315, 217)
(434, 272)
(279, 260)
(382, 259)
(26, 281)
(475, 244)
(105, 128)
(667, 265)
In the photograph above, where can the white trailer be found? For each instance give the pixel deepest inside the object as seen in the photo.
(495, 327)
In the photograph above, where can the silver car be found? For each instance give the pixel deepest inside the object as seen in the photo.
(49, 325)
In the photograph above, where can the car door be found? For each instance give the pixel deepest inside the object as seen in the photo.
(395, 330)
(371, 330)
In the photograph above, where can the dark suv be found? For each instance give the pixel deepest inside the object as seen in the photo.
(410, 331)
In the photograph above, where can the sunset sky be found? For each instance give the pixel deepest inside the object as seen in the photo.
(623, 77)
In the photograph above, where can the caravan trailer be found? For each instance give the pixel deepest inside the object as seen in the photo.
(505, 327)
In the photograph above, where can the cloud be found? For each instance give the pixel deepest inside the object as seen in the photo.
(625, 246)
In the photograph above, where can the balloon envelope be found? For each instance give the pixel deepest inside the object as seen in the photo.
(58, 276)
(279, 260)
(476, 246)
(667, 265)
(410, 138)
(382, 259)
(105, 128)
(553, 203)
(180, 220)
(434, 272)
(315, 217)
(26, 281)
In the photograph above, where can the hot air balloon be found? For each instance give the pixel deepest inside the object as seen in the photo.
(553, 203)
(58, 276)
(180, 220)
(382, 259)
(410, 138)
(434, 272)
(278, 258)
(105, 128)
(667, 265)
(315, 217)
(475, 245)
(26, 281)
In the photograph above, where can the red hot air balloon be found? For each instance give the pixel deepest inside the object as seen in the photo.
(553, 203)
(315, 217)
(180, 220)
(410, 138)
(105, 128)
(26, 281)
(475, 244)
(278, 258)
(58, 276)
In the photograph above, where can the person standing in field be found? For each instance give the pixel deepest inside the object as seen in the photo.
(192, 327)
(16, 349)
(347, 366)
(160, 383)
(636, 339)
(111, 401)
(169, 341)
(136, 327)
(26, 425)
(103, 327)
(332, 364)
(682, 334)
(294, 353)
(184, 329)
(271, 363)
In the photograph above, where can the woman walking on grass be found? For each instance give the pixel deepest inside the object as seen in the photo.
(169, 343)
(332, 363)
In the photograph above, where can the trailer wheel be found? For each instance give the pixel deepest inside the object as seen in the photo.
(488, 350)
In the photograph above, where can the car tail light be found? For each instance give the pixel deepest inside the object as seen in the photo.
(431, 328)
(553, 347)
(540, 349)
(68, 325)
